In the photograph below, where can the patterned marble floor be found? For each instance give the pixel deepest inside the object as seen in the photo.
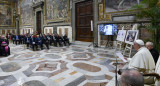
(76, 65)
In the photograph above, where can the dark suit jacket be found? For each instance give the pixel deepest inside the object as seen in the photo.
(32, 40)
(155, 55)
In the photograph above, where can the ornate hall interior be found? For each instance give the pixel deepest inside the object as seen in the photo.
(73, 42)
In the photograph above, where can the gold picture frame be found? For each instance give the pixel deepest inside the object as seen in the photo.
(57, 19)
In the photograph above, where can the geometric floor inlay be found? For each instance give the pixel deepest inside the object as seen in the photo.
(95, 84)
(10, 67)
(53, 56)
(87, 67)
(47, 67)
(74, 65)
(33, 83)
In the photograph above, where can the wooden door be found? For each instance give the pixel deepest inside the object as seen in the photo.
(39, 22)
(84, 15)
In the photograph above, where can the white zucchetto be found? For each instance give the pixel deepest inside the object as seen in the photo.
(139, 41)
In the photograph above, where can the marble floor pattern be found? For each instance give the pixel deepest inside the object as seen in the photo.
(75, 65)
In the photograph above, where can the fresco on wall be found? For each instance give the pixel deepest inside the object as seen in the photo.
(119, 5)
(57, 9)
(36, 1)
(5, 14)
(26, 12)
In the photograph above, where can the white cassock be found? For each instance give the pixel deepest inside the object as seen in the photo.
(157, 70)
(143, 62)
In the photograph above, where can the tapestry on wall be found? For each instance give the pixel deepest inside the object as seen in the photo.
(119, 5)
(26, 12)
(5, 14)
(57, 9)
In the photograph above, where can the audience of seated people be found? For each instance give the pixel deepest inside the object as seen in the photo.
(36, 41)
(18, 39)
(4, 48)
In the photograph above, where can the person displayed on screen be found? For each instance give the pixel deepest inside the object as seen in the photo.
(108, 30)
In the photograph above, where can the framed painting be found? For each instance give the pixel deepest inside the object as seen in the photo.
(26, 12)
(131, 36)
(121, 35)
(6, 18)
(119, 5)
(57, 10)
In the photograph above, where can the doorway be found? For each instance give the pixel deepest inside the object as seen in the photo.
(38, 21)
(84, 15)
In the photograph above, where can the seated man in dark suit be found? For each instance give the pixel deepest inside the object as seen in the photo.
(21, 39)
(27, 40)
(59, 40)
(54, 40)
(39, 42)
(66, 39)
(16, 38)
(13, 38)
(46, 41)
(33, 42)
(154, 52)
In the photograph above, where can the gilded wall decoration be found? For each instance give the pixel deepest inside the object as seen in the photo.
(5, 14)
(26, 12)
(57, 9)
(108, 17)
(101, 12)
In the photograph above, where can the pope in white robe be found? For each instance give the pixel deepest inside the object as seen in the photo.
(142, 60)
(157, 70)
